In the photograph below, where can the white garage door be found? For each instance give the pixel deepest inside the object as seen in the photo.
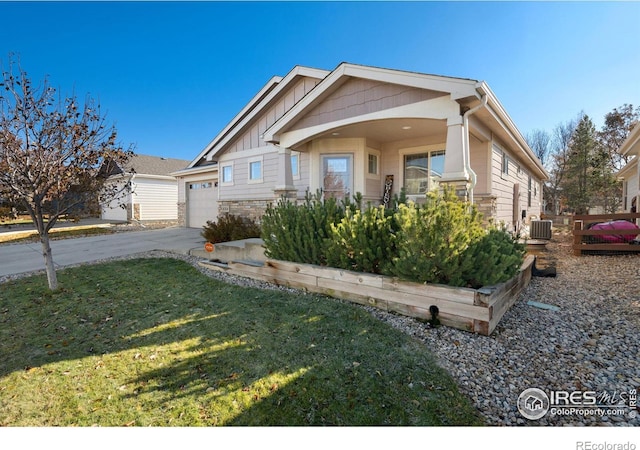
(202, 203)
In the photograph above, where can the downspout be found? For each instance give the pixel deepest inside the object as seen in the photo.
(467, 146)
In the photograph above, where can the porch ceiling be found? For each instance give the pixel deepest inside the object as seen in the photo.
(388, 130)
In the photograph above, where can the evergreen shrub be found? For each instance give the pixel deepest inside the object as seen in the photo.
(440, 242)
(301, 233)
(363, 240)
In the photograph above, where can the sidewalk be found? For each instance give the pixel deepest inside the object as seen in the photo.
(7, 230)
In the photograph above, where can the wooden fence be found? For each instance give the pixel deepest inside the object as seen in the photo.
(585, 240)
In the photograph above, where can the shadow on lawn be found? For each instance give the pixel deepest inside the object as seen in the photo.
(243, 356)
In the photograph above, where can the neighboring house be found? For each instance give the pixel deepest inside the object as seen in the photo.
(154, 193)
(358, 129)
(630, 173)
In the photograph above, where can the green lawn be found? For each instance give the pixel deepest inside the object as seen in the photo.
(154, 342)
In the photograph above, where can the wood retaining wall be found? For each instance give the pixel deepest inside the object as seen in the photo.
(475, 310)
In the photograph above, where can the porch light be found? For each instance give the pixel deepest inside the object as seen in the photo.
(406, 127)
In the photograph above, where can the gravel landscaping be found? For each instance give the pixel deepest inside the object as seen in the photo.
(592, 343)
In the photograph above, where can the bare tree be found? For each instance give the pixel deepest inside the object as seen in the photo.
(52, 152)
(540, 143)
(560, 144)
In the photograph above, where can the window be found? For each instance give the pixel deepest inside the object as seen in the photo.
(295, 165)
(529, 193)
(255, 170)
(422, 171)
(227, 174)
(206, 185)
(373, 164)
(505, 164)
(337, 175)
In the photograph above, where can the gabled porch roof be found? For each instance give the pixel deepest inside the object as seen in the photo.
(393, 123)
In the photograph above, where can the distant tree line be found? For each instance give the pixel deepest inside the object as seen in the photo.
(583, 162)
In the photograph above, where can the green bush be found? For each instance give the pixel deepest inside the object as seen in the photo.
(441, 242)
(363, 240)
(432, 238)
(493, 259)
(301, 233)
(230, 228)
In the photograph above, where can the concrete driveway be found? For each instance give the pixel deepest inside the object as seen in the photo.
(20, 258)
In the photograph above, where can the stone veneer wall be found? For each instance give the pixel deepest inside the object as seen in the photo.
(487, 205)
(182, 214)
(252, 209)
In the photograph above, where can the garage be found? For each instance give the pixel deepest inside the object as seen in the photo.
(202, 202)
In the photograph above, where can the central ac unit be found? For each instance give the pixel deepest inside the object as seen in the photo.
(540, 229)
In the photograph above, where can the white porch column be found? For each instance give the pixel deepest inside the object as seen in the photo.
(455, 164)
(284, 182)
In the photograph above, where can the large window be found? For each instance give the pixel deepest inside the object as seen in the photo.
(422, 171)
(337, 175)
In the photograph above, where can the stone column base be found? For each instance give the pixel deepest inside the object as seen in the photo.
(461, 188)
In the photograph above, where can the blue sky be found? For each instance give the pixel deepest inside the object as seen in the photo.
(171, 75)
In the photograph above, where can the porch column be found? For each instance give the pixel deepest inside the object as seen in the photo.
(455, 164)
(284, 182)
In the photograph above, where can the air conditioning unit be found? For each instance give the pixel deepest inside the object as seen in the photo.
(540, 229)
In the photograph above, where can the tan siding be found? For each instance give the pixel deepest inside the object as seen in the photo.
(242, 189)
(251, 138)
(358, 96)
(374, 189)
(479, 164)
(302, 185)
(502, 188)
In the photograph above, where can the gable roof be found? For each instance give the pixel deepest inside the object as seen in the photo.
(467, 92)
(151, 165)
(256, 105)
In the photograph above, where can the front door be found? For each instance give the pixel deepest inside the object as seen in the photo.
(337, 175)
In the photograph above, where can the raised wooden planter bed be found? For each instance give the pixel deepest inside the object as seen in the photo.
(475, 310)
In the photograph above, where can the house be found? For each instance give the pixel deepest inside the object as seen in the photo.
(368, 130)
(154, 193)
(630, 173)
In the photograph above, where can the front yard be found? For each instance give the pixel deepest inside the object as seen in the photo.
(154, 342)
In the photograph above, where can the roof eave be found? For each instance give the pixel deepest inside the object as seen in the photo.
(507, 123)
(631, 145)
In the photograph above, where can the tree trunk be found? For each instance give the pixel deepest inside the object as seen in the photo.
(52, 278)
